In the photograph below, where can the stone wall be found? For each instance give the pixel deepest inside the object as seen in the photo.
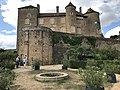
(37, 44)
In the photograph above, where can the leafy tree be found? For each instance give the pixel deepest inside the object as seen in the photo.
(79, 52)
(108, 54)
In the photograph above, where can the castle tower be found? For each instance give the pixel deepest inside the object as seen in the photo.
(71, 18)
(92, 23)
(38, 44)
(27, 16)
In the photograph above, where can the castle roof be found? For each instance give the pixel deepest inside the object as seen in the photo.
(70, 4)
(26, 7)
(58, 14)
(51, 14)
(90, 10)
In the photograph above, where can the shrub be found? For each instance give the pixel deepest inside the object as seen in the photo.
(109, 68)
(7, 59)
(77, 64)
(35, 64)
(93, 77)
(6, 77)
(117, 67)
(65, 62)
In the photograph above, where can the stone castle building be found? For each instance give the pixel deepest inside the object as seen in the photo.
(34, 30)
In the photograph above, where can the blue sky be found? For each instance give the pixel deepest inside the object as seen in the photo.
(109, 15)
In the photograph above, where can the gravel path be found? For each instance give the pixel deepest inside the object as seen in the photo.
(25, 80)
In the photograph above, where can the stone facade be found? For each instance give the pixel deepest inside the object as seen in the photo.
(36, 44)
(34, 30)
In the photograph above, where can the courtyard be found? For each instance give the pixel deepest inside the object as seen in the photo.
(25, 79)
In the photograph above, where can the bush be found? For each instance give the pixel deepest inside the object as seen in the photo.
(7, 59)
(35, 64)
(6, 77)
(76, 64)
(65, 62)
(117, 67)
(9, 64)
(93, 77)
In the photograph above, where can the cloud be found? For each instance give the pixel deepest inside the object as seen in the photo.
(110, 12)
(110, 9)
(112, 32)
(7, 41)
(10, 9)
(9, 31)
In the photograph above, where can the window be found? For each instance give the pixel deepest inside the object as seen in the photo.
(71, 13)
(28, 15)
(62, 20)
(72, 29)
(27, 21)
(62, 29)
(35, 36)
(78, 30)
(52, 21)
(26, 35)
(41, 21)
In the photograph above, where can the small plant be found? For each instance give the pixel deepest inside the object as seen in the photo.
(36, 64)
(65, 64)
(93, 77)
(110, 69)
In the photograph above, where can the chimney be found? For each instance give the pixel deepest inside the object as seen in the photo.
(57, 9)
(38, 6)
(80, 9)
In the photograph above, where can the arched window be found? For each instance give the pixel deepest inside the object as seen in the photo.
(71, 13)
(28, 15)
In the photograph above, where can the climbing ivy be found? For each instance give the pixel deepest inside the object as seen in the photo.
(92, 40)
(71, 39)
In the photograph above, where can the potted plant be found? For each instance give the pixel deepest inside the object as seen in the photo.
(110, 69)
(35, 65)
(65, 64)
(93, 77)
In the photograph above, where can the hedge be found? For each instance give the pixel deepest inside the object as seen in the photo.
(75, 64)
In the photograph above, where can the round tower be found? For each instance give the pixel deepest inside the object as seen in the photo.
(27, 16)
(70, 18)
(92, 23)
(38, 44)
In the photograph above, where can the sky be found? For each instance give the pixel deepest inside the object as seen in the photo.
(109, 15)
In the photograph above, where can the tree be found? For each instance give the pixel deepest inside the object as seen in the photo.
(78, 52)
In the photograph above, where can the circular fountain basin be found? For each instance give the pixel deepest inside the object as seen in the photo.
(51, 76)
